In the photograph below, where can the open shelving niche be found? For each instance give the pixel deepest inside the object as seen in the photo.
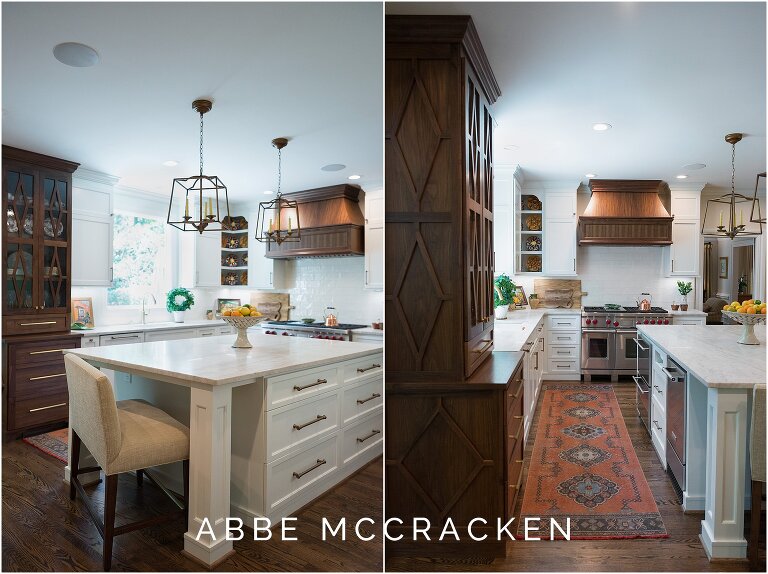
(523, 214)
(234, 245)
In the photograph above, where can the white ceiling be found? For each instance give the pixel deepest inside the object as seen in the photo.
(672, 79)
(311, 72)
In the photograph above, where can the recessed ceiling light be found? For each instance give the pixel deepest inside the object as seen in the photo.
(354, 177)
(693, 166)
(681, 176)
(333, 167)
(76, 55)
(171, 163)
(268, 192)
(601, 127)
(590, 175)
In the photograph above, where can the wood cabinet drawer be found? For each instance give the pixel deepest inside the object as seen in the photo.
(564, 338)
(291, 427)
(39, 380)
(563, 322)
(514, 482)
(359, 400)
(514, 398)
(88, 342)
(292, 475)
(569, 366)
(286, 389)
(38, 411)
(35, 324)
(477, 350)
(564, 352)
(43, 351)
(514, 438)
(360, 369)
(121, 339)
(362, 437)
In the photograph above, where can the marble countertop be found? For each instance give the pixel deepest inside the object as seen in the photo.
(712, 354)
(512, 333)
(212, 361)
(137, 327)
(684, 313)
(368, 331)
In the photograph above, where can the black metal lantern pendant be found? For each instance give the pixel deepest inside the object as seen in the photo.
(202, 199)
(278, 220)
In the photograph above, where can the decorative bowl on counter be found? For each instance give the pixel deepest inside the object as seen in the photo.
(242, 324)
(749, 320)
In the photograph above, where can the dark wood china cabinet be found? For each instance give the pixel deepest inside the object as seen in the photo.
(454, 446)
(37, 241)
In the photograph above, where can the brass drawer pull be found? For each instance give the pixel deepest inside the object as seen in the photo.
(42, 352)
(373, 366)
(518, 462)
(47, 377)
(37, 323)
(48, 407)
(488, 342)
(363, 401)
(517, 417)
(320, 462)
(374, 432)
(517, 394)
(313, 421)
(319, 382)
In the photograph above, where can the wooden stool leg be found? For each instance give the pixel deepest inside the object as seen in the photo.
(75, 464)
(140, 477)
(185, 465)
(755, 522)
(110, 501)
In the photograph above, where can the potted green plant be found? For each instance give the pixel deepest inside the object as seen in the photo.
(179, 300)
(684, 288)
(503, 293)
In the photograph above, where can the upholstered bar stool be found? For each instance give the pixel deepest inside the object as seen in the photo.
(757, 463)
(122, 436)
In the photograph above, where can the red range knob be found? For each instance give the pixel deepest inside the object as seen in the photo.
(285, 333)
(666, 321)
(615, 323)
(639, 321)
(339, 338)
(607, 321)
(646, 321)
(653, 321)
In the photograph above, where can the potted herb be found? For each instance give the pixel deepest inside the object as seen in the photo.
(684, 288)
(503, 294)
(178, 301)
(533, 300)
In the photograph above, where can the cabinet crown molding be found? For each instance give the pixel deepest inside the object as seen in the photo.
(83, 175)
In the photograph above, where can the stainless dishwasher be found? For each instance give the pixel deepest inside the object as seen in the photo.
(676, 390)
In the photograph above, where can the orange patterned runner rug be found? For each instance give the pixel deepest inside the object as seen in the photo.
(51, 443)
(585, 468)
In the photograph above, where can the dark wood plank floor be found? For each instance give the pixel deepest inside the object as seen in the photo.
(44, 531)
(681, 552)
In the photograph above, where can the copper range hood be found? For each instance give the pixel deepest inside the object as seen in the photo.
(626, 212)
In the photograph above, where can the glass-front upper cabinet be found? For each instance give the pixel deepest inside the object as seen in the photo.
(20, 240)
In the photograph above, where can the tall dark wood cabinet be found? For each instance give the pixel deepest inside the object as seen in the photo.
(37, 252)
(454, 408)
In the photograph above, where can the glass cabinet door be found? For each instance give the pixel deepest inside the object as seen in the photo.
(20, 239)
(54, 233)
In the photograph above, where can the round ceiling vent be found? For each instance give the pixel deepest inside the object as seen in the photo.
(76, 55)
(692, 166)
(333, 167)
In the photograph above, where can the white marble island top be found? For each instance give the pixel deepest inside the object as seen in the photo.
(157, 326)
(711, 352)
(212, 361)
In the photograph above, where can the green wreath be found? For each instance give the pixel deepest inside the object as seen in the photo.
(188, 301)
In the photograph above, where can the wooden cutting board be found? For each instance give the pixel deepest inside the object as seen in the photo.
(276, 306)
(541, 286)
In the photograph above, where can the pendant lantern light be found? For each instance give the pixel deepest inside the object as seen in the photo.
(199, 202)
(278, 219)
(755, 216)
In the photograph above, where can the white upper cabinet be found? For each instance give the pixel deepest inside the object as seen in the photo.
(374, 240)
(92, 227)
(560, 205)
(263, 273)
(200, 258)
(560, 239)
(681, 259)
(504, 189)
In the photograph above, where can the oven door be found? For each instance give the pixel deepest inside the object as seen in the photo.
(626, 350)
(597, 350)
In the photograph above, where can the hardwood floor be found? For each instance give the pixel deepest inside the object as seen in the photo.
(44, 531)
(681, 552)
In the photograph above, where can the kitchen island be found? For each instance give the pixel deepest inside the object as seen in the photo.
(721, 375)
(271, 427)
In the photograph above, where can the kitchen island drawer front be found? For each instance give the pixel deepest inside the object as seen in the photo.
(566, 366)
(225, 330)
(564, 338)
(360, 369)
(40, 323)
(40, 380)
(359, 400)
(564, 352)
(563, 322)
(169, 335)
(285, 389)
(363, 439)
(38, 411)
(42, 352)
(89, 342)
(121, 339)
(292, 427)
(292, 475)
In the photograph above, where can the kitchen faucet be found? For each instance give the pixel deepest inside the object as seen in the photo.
(144, 311)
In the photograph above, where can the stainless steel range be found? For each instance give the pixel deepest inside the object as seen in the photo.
(340, 332)
(608, 336)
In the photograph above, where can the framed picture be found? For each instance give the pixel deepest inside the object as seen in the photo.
(723, 268)
(222, 304)
(82, 311)
(519, 298)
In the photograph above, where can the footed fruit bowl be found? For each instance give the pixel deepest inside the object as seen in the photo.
(749, 320)
(242, 324)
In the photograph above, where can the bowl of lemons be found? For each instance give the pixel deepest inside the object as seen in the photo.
(242, 318)
(748, 313)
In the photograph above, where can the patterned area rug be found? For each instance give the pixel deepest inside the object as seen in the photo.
(584, 467)
(51, 443)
